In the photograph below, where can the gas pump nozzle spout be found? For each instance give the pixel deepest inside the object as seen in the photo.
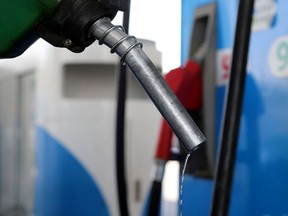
(151, 80)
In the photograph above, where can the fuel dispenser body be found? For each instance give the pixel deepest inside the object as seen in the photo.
(63, 163)
(260, 175)
(75, 120)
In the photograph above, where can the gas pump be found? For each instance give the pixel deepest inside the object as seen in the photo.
(258, 185)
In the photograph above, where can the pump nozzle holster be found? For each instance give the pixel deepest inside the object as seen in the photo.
(186, 83)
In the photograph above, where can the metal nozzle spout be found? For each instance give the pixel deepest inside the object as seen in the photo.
(151, 80)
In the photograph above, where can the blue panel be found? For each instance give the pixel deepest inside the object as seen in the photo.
(63, 186)
(261, 174)
(195, 197)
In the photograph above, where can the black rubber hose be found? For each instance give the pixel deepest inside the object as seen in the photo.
(228, 148)
(155, 198)
(120, 132)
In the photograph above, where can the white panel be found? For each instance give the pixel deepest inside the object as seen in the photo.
(143, 125)
(9, 174)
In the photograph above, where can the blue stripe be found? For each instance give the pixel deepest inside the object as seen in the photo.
(63, 186)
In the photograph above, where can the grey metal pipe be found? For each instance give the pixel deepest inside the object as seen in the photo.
(151, 79)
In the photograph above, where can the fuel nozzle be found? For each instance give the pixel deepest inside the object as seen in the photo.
(66, 23)
(130, 52)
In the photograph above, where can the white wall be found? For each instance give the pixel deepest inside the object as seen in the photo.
(159, 21)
